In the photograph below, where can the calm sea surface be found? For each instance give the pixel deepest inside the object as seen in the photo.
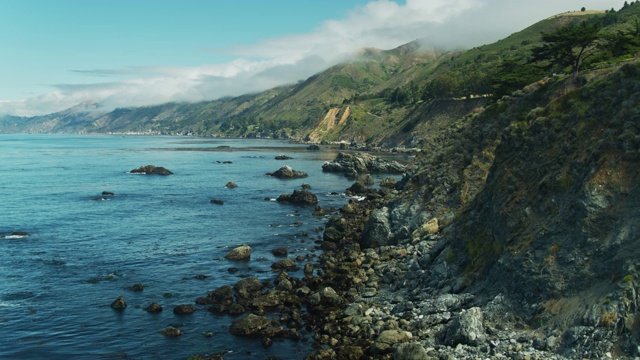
(56, 284)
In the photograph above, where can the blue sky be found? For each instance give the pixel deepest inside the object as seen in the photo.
(59, 53)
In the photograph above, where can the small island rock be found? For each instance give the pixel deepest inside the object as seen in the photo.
(119, 303)
(286, 172)
(299, 197)
(184, 309)
(151, 170)
(171, 332)
(241, 253)
(251, 325)
(153, 308)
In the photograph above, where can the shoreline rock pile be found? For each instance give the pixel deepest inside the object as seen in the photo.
(361, 163)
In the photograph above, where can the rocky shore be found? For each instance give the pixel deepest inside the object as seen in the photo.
(389, 285)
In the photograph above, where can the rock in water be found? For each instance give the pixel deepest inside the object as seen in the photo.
(16, 235)
(299, 197)
(184, 309)
(251, 325)
(171, 332)
(247, 289)
(241, 253)
(119, 303)
(286, 172)
(231, 185)
(281, 251)
(283, 157)
(151, 170)
(153, 308)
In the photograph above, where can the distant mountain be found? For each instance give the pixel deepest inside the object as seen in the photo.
(381, 97)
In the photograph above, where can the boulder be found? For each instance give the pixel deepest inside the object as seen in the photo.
(151, 170)
(281, 251)
(241, 253)
(377, 230)
(411, 351)
(153, 308)
(360, 163)
(217, 201)
(336, 229)
(313, 147)
(285, 264)
(222, 295)
(286, 172)
(429, 228)
(269, 300)
(252, 325)
(119, 303)
(107, 193)
(388, 183)
(298, 197)
(326, 297)
(171, 332)
(467, 329)
(231, 185)
(184, 309)
(283, 157)
(388, 338)
(361, 185)
(350, 353)
(137, 287)
(248, 288)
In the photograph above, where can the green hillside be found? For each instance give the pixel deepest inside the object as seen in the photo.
(394, 97)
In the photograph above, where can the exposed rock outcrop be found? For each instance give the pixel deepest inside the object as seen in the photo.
(119, 303)
(254, 325)
(240, 253)
(360, 163)
(151, 170)
(184, 309)
(298, 197)
(286, 172)
(377, 231)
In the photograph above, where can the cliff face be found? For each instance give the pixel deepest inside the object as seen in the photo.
(540, 197)
(331, 122)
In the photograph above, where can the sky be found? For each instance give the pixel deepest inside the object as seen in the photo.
(57, 54)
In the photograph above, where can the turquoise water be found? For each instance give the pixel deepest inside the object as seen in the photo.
(56, 284)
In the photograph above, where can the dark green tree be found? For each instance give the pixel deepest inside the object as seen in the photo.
(569, 45)
(514, 74)
(444, 86)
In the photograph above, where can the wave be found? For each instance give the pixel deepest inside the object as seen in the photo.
(15, 236)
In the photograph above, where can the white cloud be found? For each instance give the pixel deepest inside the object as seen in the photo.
(382, 24)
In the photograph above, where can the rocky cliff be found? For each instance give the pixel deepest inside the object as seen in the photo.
(538, 200)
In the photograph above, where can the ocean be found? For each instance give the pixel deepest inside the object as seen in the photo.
(85, 249)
